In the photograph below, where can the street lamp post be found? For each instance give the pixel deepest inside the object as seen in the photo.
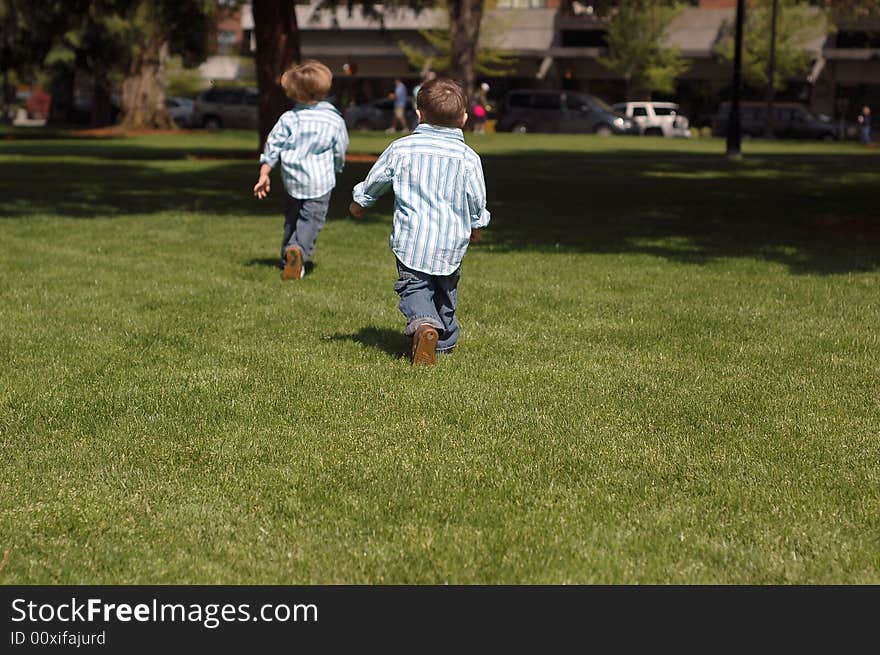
(734, 125)
(771, 71)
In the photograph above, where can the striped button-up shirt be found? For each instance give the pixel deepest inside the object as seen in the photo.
(310, 141)
(439, 197)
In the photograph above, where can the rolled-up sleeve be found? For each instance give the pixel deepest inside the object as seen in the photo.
(275, 142)
(476, 197)
(378, 180)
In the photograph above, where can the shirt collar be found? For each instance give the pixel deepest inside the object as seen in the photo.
(321, 104)
(438, 130)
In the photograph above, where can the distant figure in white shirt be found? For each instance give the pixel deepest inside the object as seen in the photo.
(439, 208)
(310, 140)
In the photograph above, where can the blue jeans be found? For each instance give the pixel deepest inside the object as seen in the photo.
(303, 219)
(431, 299)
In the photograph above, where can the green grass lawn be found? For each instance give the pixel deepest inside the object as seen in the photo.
(668, 372)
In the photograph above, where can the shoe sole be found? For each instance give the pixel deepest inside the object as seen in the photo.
(426, 348)
(294, 267)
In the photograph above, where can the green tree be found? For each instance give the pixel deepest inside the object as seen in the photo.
(796, 25)
(278, 46)
(155, 29)
(850, 11)
(636, 49)
(117, 43)
(277, 35)
(495, 62)
(465, 19)
(28, 30)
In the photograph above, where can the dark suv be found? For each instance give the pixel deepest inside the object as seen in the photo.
(560, 111)
(232, 107)
(790, 121)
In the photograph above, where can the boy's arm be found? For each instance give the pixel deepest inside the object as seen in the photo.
(340, 145)
(275, 142)
(475, 188)
(271, 153)
(378, 181)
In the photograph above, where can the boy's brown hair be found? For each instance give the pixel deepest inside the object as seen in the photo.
(307, 82)
(442, 102)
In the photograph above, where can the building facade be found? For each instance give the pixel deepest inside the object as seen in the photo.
(559, 46)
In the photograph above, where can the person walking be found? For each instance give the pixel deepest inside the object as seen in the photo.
(399, 96)
(480, 109)
(865, 125)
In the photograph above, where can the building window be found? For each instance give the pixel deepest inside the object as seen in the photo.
(226, 40)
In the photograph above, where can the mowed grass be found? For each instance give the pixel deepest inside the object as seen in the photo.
(668, 372)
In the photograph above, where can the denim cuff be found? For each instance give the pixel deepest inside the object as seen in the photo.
(413, 325)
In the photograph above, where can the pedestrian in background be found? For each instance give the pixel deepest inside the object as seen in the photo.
(865, 124)
(480, 109)
(399, 96)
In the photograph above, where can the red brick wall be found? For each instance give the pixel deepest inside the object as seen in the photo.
(228, 21)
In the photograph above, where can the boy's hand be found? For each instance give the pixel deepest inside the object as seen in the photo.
(476, 234)
(356, 210)
(261, 189)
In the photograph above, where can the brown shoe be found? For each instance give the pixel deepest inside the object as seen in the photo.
(424, 349)
(293, 269)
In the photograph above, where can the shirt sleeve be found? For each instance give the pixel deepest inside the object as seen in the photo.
(476, 197)
(378, 180)
(275, 142)
(340, 145)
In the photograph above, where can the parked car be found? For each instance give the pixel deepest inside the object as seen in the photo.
(180, 110)
(790, 121)
(377, 115)
(560, 111)
(656, 118)
(226, 107)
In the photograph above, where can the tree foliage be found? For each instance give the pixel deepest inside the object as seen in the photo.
(851, 11)
(636, 49)
(796, 25)
(115, 42)
(491, 62)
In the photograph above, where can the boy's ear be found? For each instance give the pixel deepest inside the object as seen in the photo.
(464, 119)
(419, 115)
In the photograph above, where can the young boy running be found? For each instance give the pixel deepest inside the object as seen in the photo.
(310, 140)
(439, 208)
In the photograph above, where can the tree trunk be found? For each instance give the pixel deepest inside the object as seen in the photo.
(277, 36)
(465, 17)
(102, 106)
(143, 90)
(61, 89)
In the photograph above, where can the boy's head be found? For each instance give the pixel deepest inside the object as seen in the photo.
(307, 82)
(442, 102)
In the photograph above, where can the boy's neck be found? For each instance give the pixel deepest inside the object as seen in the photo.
(437, 126)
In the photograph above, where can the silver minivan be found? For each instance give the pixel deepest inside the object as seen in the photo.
(221, 107)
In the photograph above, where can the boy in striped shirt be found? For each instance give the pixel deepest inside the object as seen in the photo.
(310, 140)
(439, 208)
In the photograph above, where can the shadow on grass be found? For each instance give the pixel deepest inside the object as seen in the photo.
(686, 207)
(388, 341)
(268, 262)
(274, 263)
